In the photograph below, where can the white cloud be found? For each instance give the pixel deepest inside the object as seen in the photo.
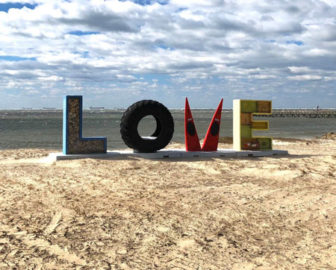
(299, 69)
(195, 43)
(51, 78)
(305, 77)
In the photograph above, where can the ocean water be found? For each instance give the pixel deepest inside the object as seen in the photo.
(43, 129)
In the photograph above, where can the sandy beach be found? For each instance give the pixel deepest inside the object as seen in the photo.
(214, 213)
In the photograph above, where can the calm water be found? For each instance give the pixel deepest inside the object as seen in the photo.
(42, 129)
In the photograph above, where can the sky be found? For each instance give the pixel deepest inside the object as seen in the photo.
(115, 52)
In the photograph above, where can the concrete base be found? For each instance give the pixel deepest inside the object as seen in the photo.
(171, 153)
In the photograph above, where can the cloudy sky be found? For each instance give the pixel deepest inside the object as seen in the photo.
(117, 52)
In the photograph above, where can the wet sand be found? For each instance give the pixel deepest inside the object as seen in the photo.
(251, 213)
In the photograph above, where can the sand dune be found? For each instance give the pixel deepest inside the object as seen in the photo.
(252, 213)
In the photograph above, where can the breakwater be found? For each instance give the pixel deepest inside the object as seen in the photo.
(302, 113)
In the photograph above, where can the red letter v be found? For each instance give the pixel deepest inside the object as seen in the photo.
(211, 139)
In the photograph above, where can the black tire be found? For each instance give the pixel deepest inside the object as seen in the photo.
(164, 126)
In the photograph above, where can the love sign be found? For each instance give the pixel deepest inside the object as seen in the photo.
(243, 125)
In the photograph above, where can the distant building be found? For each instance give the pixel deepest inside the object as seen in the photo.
(97, 108)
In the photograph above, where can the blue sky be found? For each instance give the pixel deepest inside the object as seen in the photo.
(117, 52)
(6, 6)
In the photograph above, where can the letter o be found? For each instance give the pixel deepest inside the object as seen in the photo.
(164, 126)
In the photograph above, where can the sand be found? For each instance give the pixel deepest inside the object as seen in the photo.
(252, 213)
